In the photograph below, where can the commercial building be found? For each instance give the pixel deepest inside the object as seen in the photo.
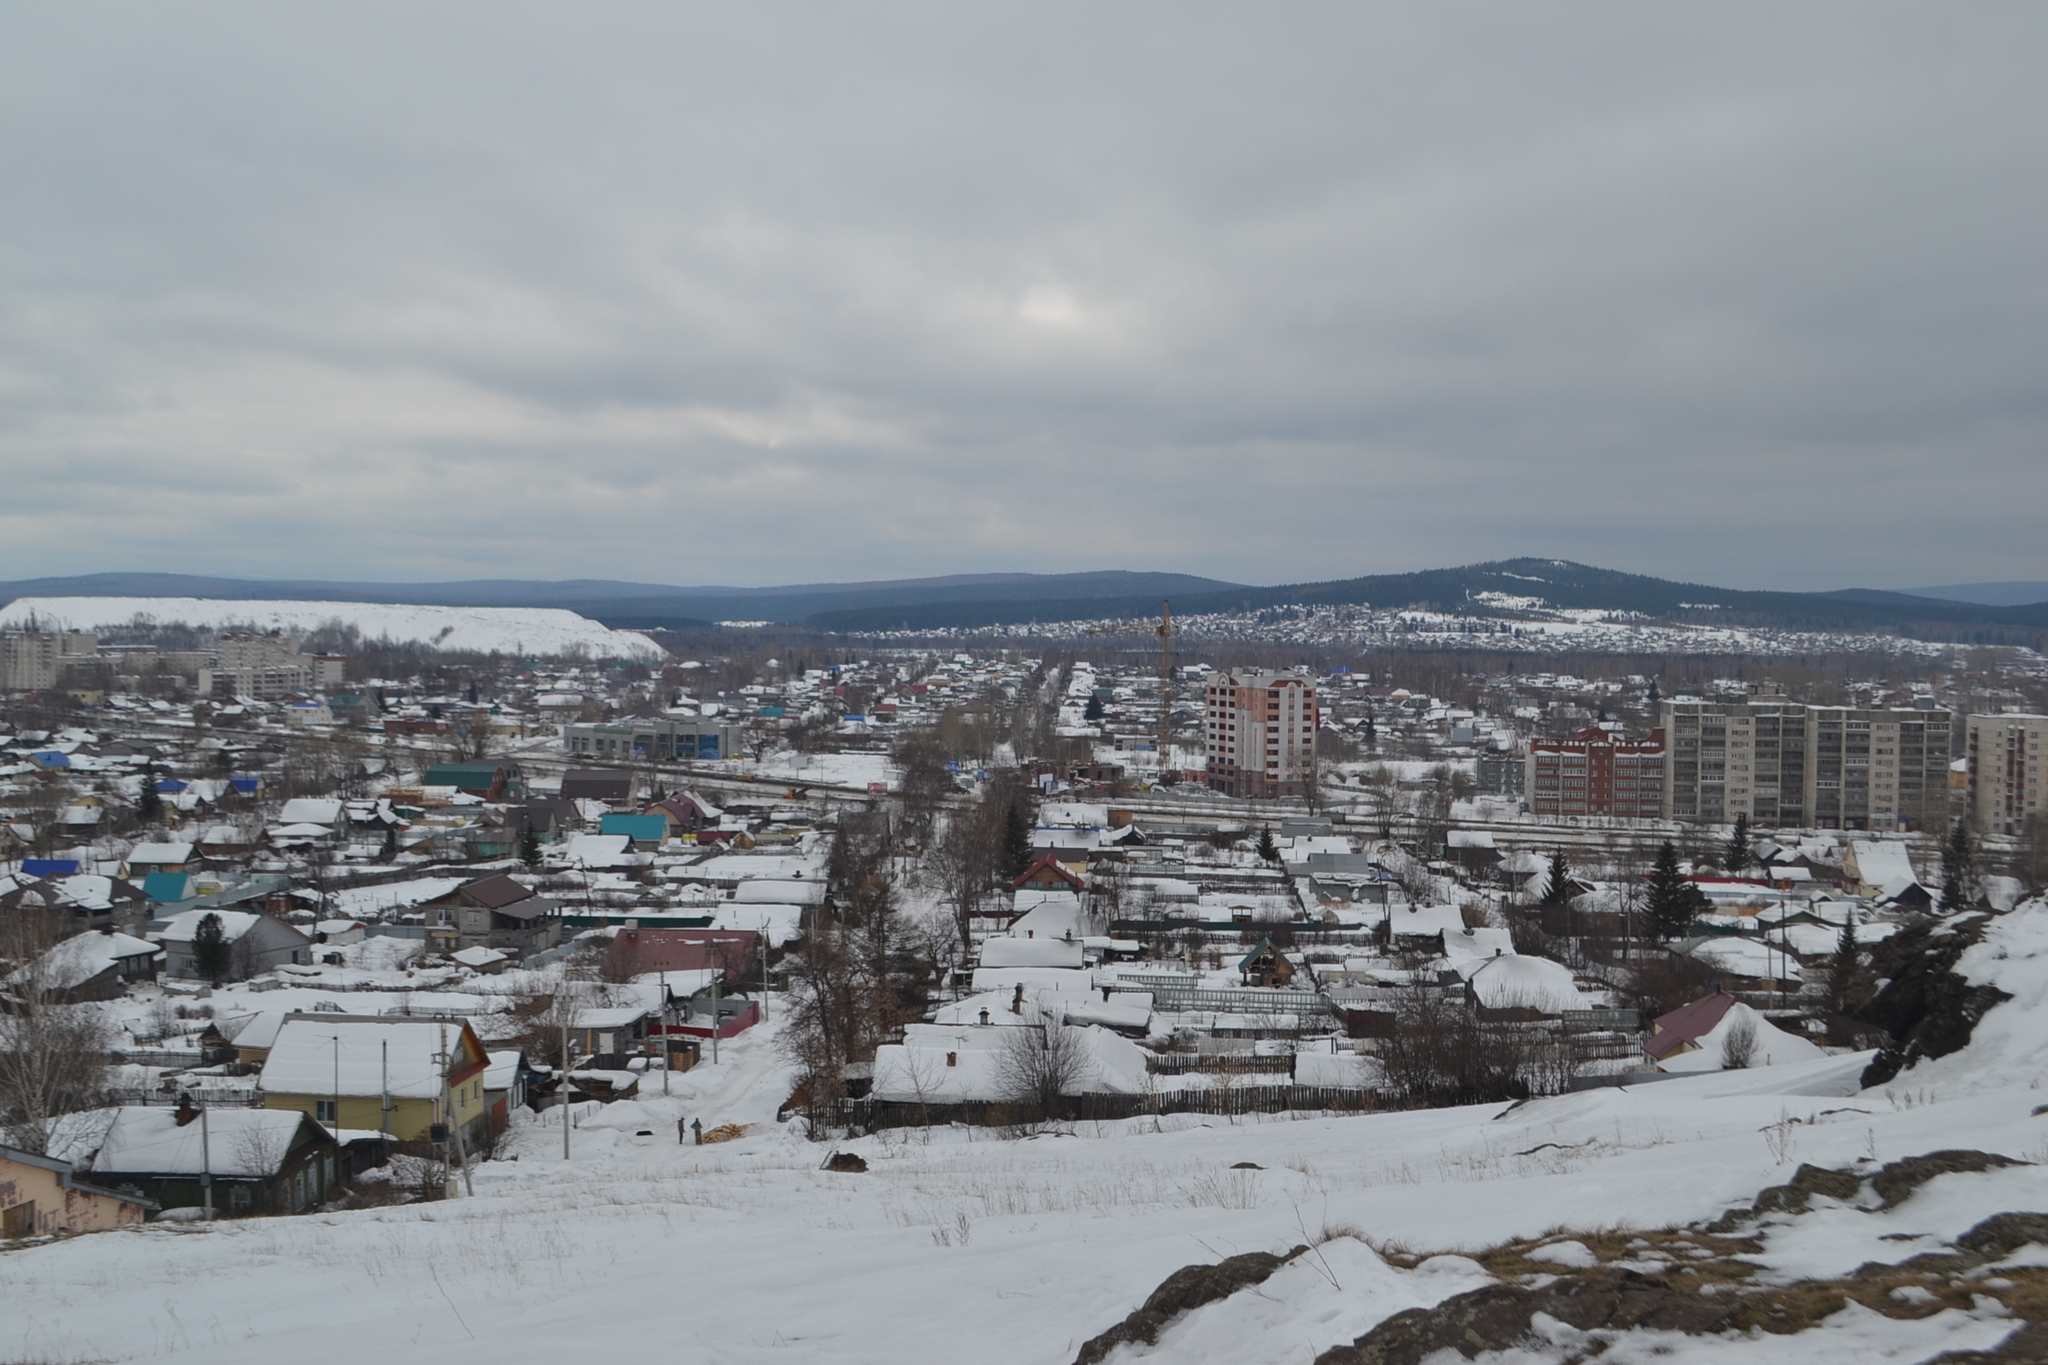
(1596, 773)
(1786, 763)
(2006, 776)
(687, 739)
(1260, 733)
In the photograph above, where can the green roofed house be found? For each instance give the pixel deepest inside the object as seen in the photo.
(645, 831)
(494, 779)
(167, 888)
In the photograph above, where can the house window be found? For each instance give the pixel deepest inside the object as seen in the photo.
(238, 1199)
(323, 1111)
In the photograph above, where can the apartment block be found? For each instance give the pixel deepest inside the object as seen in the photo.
(2005, 771)
(1596, 773)
(1259, 732)
(260, 667)
(31, 660)
(1785, 763)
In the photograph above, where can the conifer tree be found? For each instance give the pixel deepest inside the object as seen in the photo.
(210, 953)
(1958, 868)
(1735, 854)
(1093, 711)
(1559, 889)
(1672, 902)
(529, 846)
(1842, 978)
(1268, 850)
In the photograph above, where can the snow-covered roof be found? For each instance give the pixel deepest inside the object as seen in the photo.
(1514, 981)
(1885, 863)
(78, 960)
(1747, 957)
(356, 1057)
(310, 810)
(1465, 943)
(160, 853)
(1031, 952)
(479, 956)
(1425, 921)
(135, 1140)
(1773, 1045)
(253, 1031)
(180, 927)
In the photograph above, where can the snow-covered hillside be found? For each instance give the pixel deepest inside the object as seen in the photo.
(964, 1243)
(489, 630)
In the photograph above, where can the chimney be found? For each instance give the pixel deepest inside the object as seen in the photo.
(186, 1113)
(1017, 1000)
(984, 1016)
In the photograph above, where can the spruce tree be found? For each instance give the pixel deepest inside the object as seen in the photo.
(529, 846)
(1372, 731)
(1558, 891)
(1655, 695)
(1672, 901)
(1735, 854)
(150, 804)
(1093, 711)
(210, 953)
(1958, 871)
(1268, 850)
(1841, 979)
(1016, 839)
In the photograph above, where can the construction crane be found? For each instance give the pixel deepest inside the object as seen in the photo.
(1164, 629)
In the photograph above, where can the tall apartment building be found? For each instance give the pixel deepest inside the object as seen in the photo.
(1822, 767)
(2006, 775)
(1594, 773)
(31, 660)
(1260, 733)
(262, 667)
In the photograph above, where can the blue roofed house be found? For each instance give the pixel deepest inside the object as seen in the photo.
(167, 888)
(644, 831)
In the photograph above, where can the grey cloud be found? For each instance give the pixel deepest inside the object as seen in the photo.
(1743, 294)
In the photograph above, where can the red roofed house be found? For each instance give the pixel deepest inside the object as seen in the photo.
(1672, 1033)
(1050, 874)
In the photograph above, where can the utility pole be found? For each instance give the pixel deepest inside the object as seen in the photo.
(384, 1091)
(205, 1158)
(562, 1089)
(714, 1021)
(665, 1014)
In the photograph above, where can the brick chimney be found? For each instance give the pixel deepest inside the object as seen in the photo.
(186, 1113)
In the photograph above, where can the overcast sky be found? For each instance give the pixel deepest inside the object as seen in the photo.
(754, 294)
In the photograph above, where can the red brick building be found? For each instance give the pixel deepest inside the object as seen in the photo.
(1596, 773)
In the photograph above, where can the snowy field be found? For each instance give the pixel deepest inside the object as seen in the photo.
(485, 630)
(963, 1244)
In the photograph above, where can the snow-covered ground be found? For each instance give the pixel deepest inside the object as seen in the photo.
(960, 1243)
(548, 631)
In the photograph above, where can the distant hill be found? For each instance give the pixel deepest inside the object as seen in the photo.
(1559, 583)
(635, 606)
(969, 600)
(2011, 594)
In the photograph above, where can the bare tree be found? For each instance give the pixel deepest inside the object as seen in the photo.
(53, 1054)
(1738, 1047)
(1040, 1066)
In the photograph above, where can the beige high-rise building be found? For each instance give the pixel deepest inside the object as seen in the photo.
(262, 667)
(1260, 733)
(1786, 763)
(31, 660)
(2007, 778)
